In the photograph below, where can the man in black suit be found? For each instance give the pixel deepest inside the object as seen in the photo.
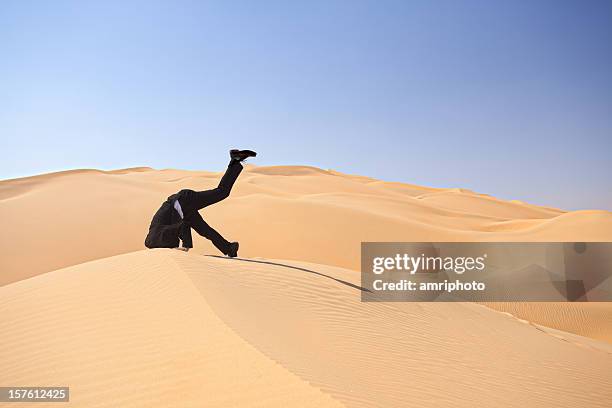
(179, 213)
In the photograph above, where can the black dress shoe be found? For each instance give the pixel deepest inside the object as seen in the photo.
(240, 155)
(233, 250)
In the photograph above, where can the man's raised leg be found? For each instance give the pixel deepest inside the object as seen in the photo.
(196, 200)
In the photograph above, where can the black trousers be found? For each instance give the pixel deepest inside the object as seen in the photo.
(193, 201)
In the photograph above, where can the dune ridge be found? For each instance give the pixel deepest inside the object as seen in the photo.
(132, 331)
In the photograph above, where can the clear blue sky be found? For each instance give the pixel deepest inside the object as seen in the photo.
(509, 98)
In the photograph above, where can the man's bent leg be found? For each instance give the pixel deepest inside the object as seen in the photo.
(185, 235)
(195, 220)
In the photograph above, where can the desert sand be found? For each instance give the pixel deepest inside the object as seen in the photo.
(122, 326)
(166, 328)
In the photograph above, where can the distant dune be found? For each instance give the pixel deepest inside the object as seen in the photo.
(166, 328)
(290, 212)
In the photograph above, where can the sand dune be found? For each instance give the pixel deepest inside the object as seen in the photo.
(291, 212)
(165, 328)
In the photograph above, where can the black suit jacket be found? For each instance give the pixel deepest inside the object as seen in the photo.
(165, 227)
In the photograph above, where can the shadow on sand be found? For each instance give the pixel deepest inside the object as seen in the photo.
(297, 268)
